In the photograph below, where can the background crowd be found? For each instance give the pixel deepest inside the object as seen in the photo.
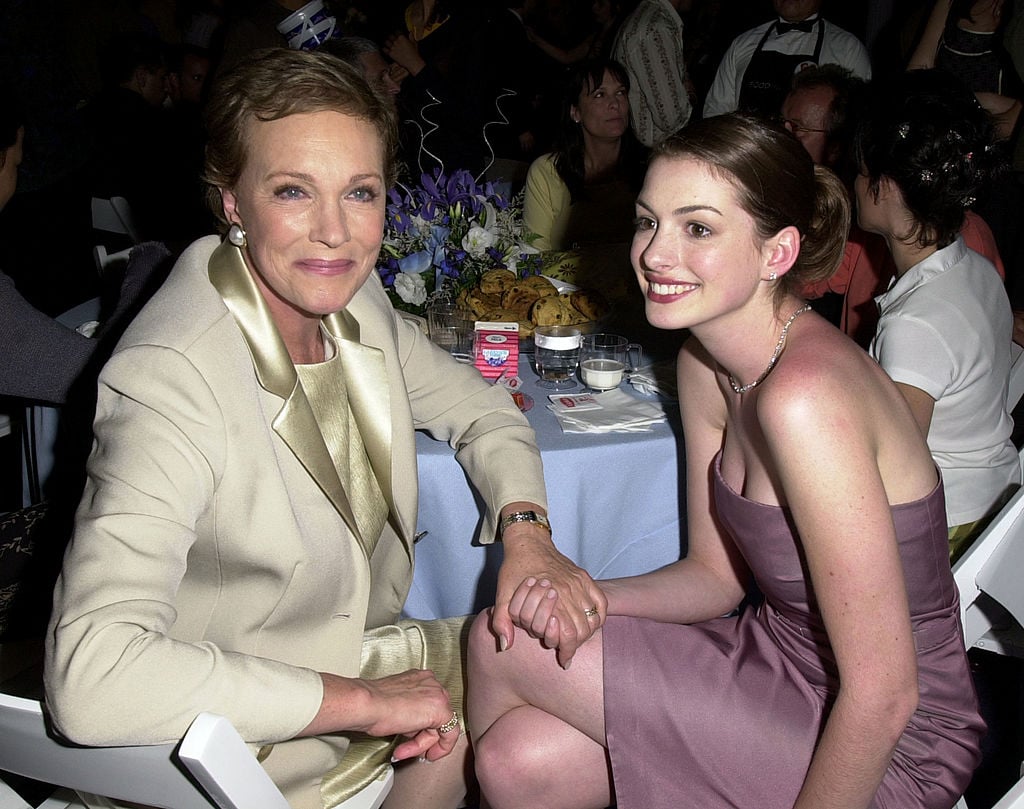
(112, 93)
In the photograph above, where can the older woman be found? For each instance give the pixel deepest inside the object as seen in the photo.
(581, 194)
(245, 542)
(848, 685)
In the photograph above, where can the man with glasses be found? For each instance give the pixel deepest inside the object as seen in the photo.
(819, 111)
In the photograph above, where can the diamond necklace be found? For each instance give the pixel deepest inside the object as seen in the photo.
(775, 357)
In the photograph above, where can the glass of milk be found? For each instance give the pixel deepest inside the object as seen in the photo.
(606, 358)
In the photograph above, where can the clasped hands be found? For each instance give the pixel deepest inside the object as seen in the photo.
(545, 594)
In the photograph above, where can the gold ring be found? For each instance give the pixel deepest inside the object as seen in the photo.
(450, 725)
(591, 612)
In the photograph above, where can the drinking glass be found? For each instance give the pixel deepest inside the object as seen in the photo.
(556, 354)
(605, 359)
(451, 327)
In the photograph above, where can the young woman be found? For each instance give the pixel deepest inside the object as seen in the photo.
(847, 685)
(945, 325)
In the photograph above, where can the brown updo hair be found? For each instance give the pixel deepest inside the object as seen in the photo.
(777, 184)
(274, 83)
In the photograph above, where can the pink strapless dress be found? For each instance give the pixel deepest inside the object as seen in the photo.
(727, 713)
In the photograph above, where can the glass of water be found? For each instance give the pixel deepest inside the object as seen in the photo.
(556, 355)
(451, 327)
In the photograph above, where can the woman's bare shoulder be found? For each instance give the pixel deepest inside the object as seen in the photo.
(830, 396)
(827, 381)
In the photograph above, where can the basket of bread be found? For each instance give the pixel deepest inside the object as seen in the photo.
(532, 301)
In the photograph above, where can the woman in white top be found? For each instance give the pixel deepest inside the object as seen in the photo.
(944, 334)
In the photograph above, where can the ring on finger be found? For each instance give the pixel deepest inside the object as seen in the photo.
(590, 613)
(450, 725)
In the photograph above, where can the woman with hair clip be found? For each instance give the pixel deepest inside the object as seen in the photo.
(582, 193)
(945, 325)
(846, 683)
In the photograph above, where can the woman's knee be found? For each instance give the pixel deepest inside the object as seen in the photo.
(510, 763)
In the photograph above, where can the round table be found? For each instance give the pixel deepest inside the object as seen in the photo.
(616, 504)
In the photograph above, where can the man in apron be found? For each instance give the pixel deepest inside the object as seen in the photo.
(756, 71)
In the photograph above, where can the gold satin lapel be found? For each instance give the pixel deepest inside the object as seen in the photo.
(231, 278)
(298, 429)
(295, 422)
(368, 397)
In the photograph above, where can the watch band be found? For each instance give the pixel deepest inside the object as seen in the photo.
(523, 516)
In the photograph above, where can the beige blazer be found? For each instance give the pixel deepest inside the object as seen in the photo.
(215, 563)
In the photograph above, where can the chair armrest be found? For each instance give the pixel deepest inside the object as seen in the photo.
(221, 762)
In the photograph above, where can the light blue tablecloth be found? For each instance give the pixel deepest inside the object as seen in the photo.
(616, 505)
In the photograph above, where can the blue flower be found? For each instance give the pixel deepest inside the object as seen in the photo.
(448, 230)
(416, 262)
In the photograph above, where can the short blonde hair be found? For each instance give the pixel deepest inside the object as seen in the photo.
(277, 82)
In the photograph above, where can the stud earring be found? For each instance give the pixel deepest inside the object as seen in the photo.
(772, 276)
(236, 235)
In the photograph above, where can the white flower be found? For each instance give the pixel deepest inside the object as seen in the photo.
(489, 215)
(477, 240)
(411, 288)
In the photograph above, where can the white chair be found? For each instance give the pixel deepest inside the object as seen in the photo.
(1015, 390)
(106, 261)
(114, 215)
(164, 776)
(1013, 799)
(988, 577)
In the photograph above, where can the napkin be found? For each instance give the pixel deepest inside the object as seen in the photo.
(613, 411)
(658, 379)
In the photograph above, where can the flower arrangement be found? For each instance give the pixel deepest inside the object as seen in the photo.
(444, 233)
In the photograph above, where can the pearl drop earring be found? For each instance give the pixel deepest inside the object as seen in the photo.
(236, 235)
